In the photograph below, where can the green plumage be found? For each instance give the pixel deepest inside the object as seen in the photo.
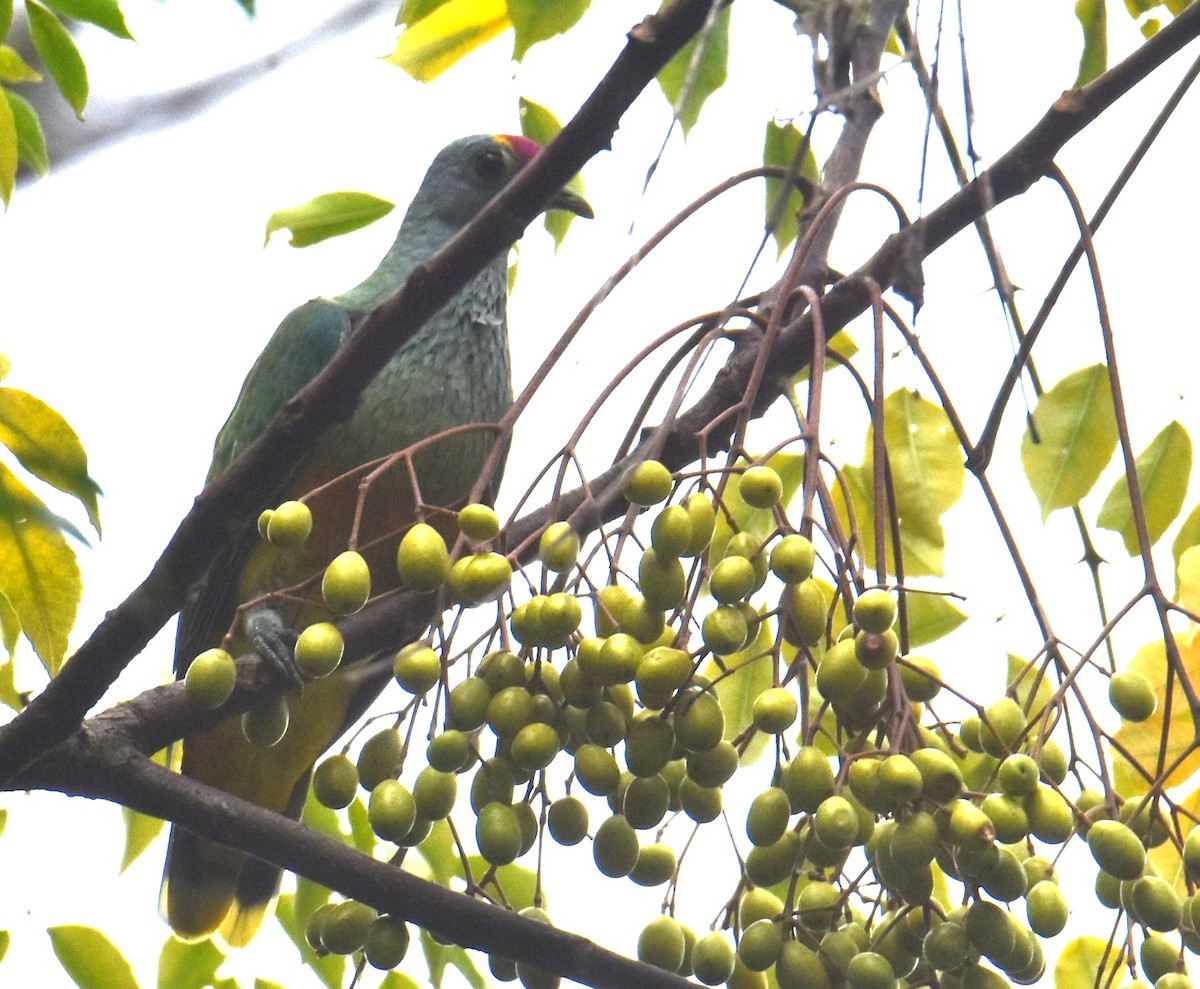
(454, 372)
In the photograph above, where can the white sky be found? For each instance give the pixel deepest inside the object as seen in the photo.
(136, 293)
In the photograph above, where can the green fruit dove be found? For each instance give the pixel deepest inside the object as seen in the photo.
(454, 372)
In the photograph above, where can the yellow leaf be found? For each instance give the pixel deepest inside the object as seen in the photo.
(1079, 965)
(429, 47)
(1189, 579)
(8, 150)
(38, 570)
(1143, 740)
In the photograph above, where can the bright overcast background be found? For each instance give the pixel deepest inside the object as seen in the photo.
(136, 293)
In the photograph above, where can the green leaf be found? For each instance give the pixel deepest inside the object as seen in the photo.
(104, 14)
(38, 570)
(412, 11)
(328, 215)
(931, 617)
(9, 150)
(1093, 19)
(539, 124)
(13, 68)
(90, 959)
(927, 476)
(1187, 537)
(6, 16)
(438, 956)
(518, 883)
(1076, 433)
(47, 447)
(31, 142)
(4, 939)
(685, 86)
(780, 147)
(1163, 470)
(8, 689)
(429, 46)
(142, 829)
(361, 834)
(537, 20)
(260, 983)
(58, 51)
(183, 965)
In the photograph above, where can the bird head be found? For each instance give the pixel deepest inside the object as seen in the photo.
(467, 174)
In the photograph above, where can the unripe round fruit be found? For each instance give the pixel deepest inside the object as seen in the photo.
(1001, 726)
(391, 811)
(290, 525)
(946, 946)
(703, 519)
(760, 487)
(732, 579)
(816, 905)
(1017, 775)
(596, 769)
(876, 650)
(387, 943)
(1050, 817)
(648, 745)
(346, 584)
(804, 607)
(210, 678)
(434, 793)
(671, 533)
(900, 780)
(1008, 817)
(724, 630)
(535, 746)
(799, 967)
(914, 842)
(1046, 909)
(968, 827)
(345, 927)
(335, 782)
(661, 943)
(712, 959)
(661, 671)
(615, 847)
(1156, 904)
(645, 801)
(479, 523)
(422, 558)
(714, 767)
(836, 823)
(560, 615)
(647, 484)
(808, 779)
(558, 547)
(767, 865)
(840, 674)
(379, 758)
(875, 610)
(774, 710)
(701, 803)
(1132, 696)
(618, 660)
(655, 865)
(941, 778)
(921, 678)
(266, 724)
(792, 559)
(479, 578)
(510, 710)
(502, 669)
(990, 929)
(869, 970)
(661, 579)
(467, 704)
(498, 833)
(1191, 854)
(319, 650)
(1116, 849)
(768, 816)
(699, 722)
(567, 819)
(758, 904)
(264, 521)
(1159, 957)
(760, 945)
(494, 780)
(450, 751)
(605, 724)
(1053, 762)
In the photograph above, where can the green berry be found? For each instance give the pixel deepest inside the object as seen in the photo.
(335, 782)
(210, 678)
(661, 943)
(712, 959)
(422, 558)
(345, 928)
(391, 811)
(266, 724)
(379, 758)
(1132, 696)
(290, 525)
(498, 833)
(479, 523)
(479, 578)
(655, 865)
(535, 746)
(875, 610)
(387, 942)
(434, 793)
(647, 483)
(703, 518)
(921, 678)
(671, 533)
(760, 945)
(760, 487)
(1046, 909)
(346, 584)
(567, 820)
(1116, 849)
(615, 847)
(733, 579)
(319, 650)
(768, 816)
(558, 547)
(724, 630)
(793, 558)
(417, 668)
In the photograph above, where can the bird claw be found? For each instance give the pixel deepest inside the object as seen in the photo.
(275, 642)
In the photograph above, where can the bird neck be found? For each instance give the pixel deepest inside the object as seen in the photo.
(419, 238)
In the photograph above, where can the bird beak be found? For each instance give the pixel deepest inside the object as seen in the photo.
(568, 199)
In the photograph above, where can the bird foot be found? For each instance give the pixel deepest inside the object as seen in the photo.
(275, 642)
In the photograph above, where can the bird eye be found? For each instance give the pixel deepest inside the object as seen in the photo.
(489, 164)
